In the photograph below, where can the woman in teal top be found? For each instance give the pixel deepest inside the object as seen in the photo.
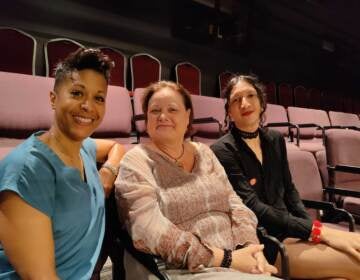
(51, 194)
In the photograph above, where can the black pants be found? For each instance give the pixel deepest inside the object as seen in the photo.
(111, 246)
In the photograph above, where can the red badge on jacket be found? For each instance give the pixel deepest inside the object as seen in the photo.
(252, 182)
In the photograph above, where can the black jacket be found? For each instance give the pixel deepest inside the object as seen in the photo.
(265, 188)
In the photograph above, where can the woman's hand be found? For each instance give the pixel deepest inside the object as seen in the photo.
(107, 179)
(263, 266)
(110, 152)
(348, 242)
(251, 260)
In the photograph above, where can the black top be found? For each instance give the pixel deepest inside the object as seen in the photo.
(265, 188)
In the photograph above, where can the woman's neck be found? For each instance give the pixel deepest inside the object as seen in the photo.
(174, 150)
(65, 145)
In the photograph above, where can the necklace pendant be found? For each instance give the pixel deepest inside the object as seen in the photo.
(179, 164)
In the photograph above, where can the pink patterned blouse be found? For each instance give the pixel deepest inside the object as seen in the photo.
(177, 214)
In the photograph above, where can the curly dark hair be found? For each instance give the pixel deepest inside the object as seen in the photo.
(82, 59)
(154, 87)
(254, 82)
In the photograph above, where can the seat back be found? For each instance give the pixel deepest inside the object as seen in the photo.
(285, 95)
(276, 114)
(118, 73)
(223, 80)
(343, 148)
(139, 124)
(344, 119)
(306, 177)
(347, 104)
(189, 76)
(316, 99)
(208, 107)
(25, 106)
(299, 115)
(118, 116)
(301, 96)
(331, 101)
(56, 50)
(19, 51)
(145, 69)
(270, 91)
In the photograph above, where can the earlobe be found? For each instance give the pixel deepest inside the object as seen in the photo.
(52, 95)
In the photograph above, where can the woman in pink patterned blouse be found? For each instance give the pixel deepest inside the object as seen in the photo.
(177, 200)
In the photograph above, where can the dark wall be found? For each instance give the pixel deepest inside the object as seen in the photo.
(147, 26)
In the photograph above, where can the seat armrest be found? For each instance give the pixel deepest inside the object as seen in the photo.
(318, 127)
(286, 124)
(345, 168)
(208, 120)
(332, 214)
(285, 268)
(140, 117)
(341, 191)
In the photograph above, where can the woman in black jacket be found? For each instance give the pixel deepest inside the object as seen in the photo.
(255, 161)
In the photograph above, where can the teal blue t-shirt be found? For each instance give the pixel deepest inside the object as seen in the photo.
(76, 208)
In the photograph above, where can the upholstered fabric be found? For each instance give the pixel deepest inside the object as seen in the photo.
(25, 105)
(204, 107)
(56, 50)
(118, 73)
(118, 114)
(298, 115)
(224, 78)
(189, 76)
(145, 69)
(18, 51)
(285, 95)
(344, 119)
(276, 114)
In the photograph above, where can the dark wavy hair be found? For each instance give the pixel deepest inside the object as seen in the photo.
(254, 82)
(155, 87)
(82, 59)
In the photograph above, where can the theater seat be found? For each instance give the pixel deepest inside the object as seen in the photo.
(18, 50)
(189, 75)
(56, 50)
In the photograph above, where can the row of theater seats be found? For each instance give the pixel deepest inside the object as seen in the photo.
(144, 68)
(25, 108)
(287, 95)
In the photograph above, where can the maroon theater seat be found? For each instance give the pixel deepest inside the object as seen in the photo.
(270, 90)
(285, 95)
(145, 69)
(348, 104)
(56, 50)
(223, 79)
(118, 73)
(189, 76)
(316, 99)
(19, 51)
(301, 97)
(332, 101)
